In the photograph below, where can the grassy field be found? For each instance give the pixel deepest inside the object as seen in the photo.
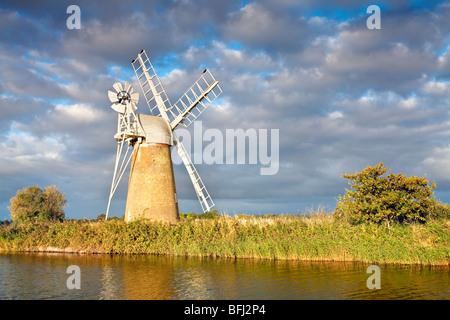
(295, 237)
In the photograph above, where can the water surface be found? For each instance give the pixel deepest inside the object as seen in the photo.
(44, 275)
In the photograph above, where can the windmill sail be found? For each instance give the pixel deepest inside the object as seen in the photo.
(191, 104)
(151, 86)
(203, 196)
(203, 92)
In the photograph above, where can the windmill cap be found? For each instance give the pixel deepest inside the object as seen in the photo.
(156, 129)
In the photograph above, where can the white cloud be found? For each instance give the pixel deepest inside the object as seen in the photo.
(335, 115)
(76, 114)
(437, 165)
(410, 103)
(261, 27)
(439, 88)
(22, 152)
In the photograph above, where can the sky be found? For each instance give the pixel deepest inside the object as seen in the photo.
(340, 95)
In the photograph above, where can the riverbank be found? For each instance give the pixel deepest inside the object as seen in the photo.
(318, 237)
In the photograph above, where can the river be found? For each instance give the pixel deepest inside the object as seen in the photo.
(33, 276)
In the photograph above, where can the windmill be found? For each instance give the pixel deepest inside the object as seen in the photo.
(151, 187)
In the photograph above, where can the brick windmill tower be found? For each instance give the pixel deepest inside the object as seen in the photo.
(151, 188)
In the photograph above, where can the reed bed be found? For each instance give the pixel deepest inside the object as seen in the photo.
(318, 237)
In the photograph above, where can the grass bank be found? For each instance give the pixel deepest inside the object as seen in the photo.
(284, 237)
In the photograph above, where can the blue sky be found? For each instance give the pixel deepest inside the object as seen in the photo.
(342, 96)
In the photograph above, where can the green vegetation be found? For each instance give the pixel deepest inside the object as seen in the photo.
(33, 203)
(298, 237)
(395, 197)
(384, 219)
(207, 215)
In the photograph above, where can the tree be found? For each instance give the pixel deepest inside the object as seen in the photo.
(33, 203)
(379, 198)
(210, 214)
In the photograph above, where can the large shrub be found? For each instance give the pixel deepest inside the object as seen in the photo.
(377, 197)
(206, 215)
(33, 203)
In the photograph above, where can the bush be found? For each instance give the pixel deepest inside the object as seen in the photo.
(206, 215)
(210, 214)
(377, 198)
(440, 211)
(33, 203)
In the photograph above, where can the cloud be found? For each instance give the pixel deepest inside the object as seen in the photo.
(436, 165)
(342, 96)
(438, 88)
(26, 152)
(261, 28)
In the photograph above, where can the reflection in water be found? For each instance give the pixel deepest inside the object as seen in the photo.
(108, 283)
(145, 278)
(43, 276)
